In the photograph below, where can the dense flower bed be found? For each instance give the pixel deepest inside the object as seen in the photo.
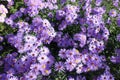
(59, 40)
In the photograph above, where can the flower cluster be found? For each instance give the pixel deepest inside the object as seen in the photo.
(43, 22)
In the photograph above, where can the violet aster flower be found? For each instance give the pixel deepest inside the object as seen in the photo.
(46, 72)
(33, 54)
(59, 66)
(70, 53)
(9, 21)
(32, 11)
(62, 53)
(98, 2)
(79, 68)
(115, 3)
(113, 13)
(30, 38)
(70, 64)
(106, 76)
(31, 76)
(42, 58)
(35, 67)
(44, 50)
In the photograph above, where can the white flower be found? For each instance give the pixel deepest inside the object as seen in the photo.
(3, 12)
(30, 38)
(44, 50)
(46, 23)
(2, 19)
(42, 58)
(79, 68)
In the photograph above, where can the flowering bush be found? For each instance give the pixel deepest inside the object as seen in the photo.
(59, 40)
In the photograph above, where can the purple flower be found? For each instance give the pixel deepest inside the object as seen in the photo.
(62, 53)
(98, 2)
(70, 64)
(32, 11)
(113, 13)
(9, 21)
(31, 76)
(79, 68)
(59, 66)
(80, 37)
(35, 67)
(106, 76)
(46, 72)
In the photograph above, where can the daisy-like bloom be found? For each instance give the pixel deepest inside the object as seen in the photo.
(70, 53)
(9, 21)
(70, 64)
(44, 50)
(59, 66)
(106, 76)
(46, 23)
(113, 13)
(98, 2)
(31, 76)
(79, 68)
(60, 14)
(92, 48)
(35, 67)
(33, 53)
(46, 72)
(28, 46)
(62, 53)
(85, 58)
(42, 58)
(30, 38)
(50, 61)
